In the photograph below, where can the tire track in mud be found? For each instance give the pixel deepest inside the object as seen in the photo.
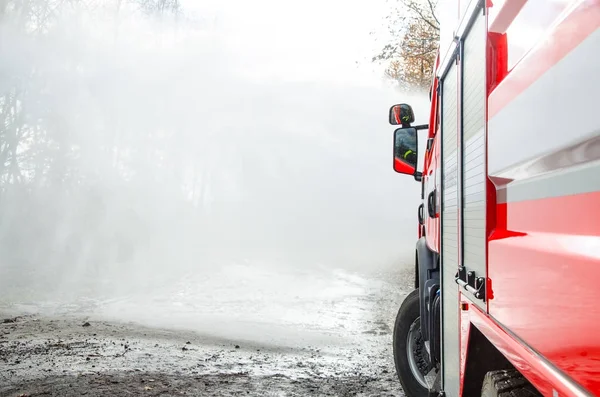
(215, 385)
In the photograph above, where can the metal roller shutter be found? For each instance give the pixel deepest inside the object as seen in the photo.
(473, 152)
(450, 233)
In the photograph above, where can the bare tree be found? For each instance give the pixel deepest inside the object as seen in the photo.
(411, 55)
(62, 158)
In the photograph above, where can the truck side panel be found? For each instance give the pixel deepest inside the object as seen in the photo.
(473, 151)
(449, 290)
(544, 377)
(544, 159)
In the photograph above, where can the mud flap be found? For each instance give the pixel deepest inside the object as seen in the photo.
(436, 389)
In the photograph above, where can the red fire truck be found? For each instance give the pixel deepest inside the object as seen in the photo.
(507, 273)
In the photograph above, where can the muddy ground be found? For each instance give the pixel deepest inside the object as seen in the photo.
(335, 341)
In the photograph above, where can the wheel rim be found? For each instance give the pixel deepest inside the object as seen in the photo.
(418, 358)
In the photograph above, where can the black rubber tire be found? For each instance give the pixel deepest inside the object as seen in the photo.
(407, 314)
(507, 383)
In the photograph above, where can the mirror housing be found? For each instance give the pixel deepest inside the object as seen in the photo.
(406, 151)
(401, 114)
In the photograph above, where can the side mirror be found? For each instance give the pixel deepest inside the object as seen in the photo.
(405, 150)
(401, 114)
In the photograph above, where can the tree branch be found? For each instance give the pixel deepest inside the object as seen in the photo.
(432, 8)
(419, 12)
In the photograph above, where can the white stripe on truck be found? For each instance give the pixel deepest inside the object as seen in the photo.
(533, 141)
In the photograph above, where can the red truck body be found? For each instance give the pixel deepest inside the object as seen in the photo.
(510, 221)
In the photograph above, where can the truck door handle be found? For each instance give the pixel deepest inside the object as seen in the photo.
(470, 282)
(421, 220)
(431, 203)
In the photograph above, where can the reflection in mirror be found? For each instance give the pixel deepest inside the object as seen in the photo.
(401, 114)
(405, 150)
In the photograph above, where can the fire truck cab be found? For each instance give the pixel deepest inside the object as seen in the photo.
(507, 262)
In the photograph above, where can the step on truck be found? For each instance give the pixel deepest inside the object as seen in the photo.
(506, 300)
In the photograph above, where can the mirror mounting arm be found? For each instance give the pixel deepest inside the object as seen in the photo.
(422, 127)
(418, 176)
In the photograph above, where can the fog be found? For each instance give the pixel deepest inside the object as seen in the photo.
(140, 146)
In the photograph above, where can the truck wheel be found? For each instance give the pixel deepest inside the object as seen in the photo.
(507, 383)
(410, 355)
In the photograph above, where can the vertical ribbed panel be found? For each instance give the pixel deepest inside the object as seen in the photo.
(450, 234)
(474, 155)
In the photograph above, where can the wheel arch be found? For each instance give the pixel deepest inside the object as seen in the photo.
(482, 357)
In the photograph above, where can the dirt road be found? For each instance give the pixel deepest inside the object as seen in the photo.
(326, 334)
